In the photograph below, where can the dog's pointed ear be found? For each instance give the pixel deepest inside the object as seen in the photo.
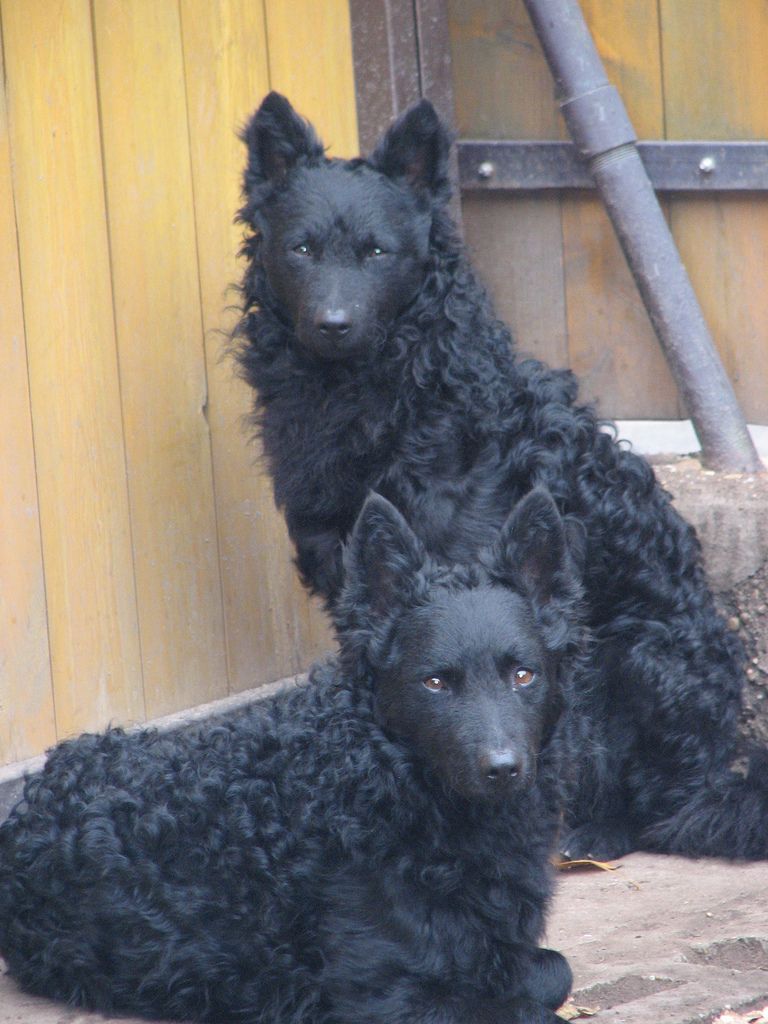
(532, 549)
(277, 139)
(415, 150)
(382, 558)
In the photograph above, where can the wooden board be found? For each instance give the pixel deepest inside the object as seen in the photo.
(715, 68)
(502, 85)
(26, 711)
(516, 248)
(267, 614)
(503, 89)
(723, 244)
(627, 38)
(310, 62)
(321, 87)
(73, 373)
(612, 345)
(160, 343)
(722, 47)
(133, 512)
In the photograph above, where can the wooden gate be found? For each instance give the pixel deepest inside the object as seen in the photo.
(686, 69)
(142, 567)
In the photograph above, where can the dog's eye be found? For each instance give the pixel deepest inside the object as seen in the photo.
(302, 250)
(375, 250)
(434, 684)
(524, 676)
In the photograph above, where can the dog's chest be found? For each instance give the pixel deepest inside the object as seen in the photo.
(433, 920)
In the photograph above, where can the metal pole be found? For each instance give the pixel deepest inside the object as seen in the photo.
(601, 129)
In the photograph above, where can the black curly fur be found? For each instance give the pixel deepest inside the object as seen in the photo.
(423, 399)
(340, 853)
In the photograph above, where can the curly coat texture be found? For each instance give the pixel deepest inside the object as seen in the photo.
(308, 861)
(421, 397)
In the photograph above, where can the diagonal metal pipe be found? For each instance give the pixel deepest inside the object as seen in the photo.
(602, 131)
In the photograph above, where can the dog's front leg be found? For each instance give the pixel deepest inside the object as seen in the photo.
(546, 976)
(418, 1001)
(516, 1011)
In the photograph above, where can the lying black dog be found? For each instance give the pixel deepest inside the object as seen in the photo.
(378, 364)
(372, 847)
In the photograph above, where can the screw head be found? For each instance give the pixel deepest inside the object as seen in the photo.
(707, 164)
(486, 170)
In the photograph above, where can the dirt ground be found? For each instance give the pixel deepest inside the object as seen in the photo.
(747, 609)
(730, 513)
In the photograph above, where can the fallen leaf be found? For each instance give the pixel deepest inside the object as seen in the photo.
(596, 865)
(750, 1017)
(570, 1011)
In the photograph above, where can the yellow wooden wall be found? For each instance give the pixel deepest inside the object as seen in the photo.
(687, 69)
(143, 568)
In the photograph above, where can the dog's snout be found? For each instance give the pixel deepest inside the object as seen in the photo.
(502, 764)
(334, 323)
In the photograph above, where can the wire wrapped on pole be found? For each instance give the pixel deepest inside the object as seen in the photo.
(602, 131)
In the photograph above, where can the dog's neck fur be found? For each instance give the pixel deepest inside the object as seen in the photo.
(406, 361)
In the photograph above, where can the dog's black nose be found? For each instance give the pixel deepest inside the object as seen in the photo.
(501, 764)
(334, 323)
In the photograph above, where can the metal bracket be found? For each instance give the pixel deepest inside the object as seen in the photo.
(671, 166)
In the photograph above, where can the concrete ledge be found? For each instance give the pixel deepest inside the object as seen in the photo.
(730, 514)
(659, 438)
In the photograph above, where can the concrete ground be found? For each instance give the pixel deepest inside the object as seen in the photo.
(664, 940)
(660, 940)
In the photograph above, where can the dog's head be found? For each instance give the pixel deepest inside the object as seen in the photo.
(466, 663)
(343, 243)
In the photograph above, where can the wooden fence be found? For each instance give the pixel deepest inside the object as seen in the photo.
(686, 69)
(142, 567)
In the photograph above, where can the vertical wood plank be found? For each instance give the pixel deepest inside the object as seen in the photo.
(516, 247)
(321, 85)
(271, 631)
(627, 38)
(27, 722)
(310, 61)
(385, 49)
(73, 373)
(612, 345)
(715, 68)
(716, 83)
(502, 84)
(724, 244)
(162, 365)
(503, 89)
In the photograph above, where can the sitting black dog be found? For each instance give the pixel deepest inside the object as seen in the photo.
(371, 847)
(378, 365)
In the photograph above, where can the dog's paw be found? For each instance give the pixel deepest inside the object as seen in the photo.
(597, 840)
